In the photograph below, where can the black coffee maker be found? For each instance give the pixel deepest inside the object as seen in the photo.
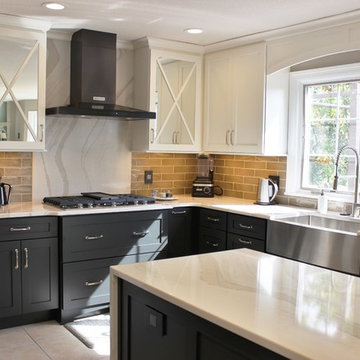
(203, 185)
(4, 193)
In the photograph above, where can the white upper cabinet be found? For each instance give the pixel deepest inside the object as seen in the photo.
(169, 83)
(22, 87)
(236, 118)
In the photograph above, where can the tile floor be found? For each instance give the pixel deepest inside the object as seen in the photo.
(44, 341)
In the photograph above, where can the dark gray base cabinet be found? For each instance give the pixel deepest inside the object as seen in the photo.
(93, 243)
(28, 268)
(181, 240)
(151, 328)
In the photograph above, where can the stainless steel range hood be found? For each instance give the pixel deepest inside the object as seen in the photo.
(93, 79)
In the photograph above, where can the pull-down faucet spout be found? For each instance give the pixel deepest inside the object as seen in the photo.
(335, 183)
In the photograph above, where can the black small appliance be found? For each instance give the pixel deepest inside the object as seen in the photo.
(203, 185)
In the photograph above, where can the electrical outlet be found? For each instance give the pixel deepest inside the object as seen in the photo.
(148, 177)
(275, 179)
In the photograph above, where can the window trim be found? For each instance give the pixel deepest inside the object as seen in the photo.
(297, 82)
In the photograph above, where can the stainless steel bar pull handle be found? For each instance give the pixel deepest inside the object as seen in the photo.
(26, 252)
(95, 283)
(212, 244)
(178, 212)
(140, 234)
(152, 136)
(16, 259)
(245, 241)
(216, 220)
(227, 137)
(247, 227)
(96, 237)
(232, 133)
(25, 228)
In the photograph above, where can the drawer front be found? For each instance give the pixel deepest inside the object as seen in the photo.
(213, 219)
(28, 228)
(100, 236)
(87, 283)
(211, 240)
(247, 225)
(240, 241)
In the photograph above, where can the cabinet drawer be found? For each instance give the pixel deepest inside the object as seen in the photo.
(109, 235)
(28, 228)
(213, 219)
(86, 283)
(211, 240)
(239, 241)
(247, 225)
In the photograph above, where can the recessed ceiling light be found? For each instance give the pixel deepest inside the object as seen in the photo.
(194, 31)
(53, 6)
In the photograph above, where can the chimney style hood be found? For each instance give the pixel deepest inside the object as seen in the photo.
(93, 79)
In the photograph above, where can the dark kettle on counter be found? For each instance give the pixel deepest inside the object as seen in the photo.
(4, 194)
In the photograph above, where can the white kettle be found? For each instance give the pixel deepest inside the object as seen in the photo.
(266, 192)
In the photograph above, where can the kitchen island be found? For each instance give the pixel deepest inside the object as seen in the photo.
(241, 302)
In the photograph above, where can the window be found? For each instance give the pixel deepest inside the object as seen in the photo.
(331, 119)
(324, 115)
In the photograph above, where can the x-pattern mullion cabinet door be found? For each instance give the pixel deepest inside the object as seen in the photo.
(22, 88)
(174, 91)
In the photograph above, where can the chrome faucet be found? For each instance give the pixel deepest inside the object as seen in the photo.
(356, 190)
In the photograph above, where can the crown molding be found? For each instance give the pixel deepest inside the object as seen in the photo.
(24, 22)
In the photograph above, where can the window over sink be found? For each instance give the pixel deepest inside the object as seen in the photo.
(324, 115)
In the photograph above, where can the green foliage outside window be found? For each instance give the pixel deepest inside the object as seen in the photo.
(331, 122)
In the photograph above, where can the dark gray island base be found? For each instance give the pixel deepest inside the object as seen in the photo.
(154, 329)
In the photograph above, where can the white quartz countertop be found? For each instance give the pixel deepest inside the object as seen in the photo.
(221, 203)
(297, 310)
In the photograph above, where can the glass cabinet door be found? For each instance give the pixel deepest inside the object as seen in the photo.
(176, 101)
(21, 98)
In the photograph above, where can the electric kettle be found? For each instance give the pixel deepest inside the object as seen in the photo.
(4, 194)
(266, 192)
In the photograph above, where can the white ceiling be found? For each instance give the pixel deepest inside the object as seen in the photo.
(220, 19)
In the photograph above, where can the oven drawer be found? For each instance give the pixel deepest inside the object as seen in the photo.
(87, 283)
(108, 235)
(28, 228)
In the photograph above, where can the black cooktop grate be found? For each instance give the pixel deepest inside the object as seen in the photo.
(90, 200)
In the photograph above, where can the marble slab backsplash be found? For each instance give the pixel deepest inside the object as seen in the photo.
(82, 153)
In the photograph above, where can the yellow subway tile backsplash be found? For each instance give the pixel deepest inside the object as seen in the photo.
(238, 175)
(16, 170)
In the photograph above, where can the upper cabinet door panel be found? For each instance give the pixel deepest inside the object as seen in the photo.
(219, 112)
(249, 76)
(174, 93)
(22, 89)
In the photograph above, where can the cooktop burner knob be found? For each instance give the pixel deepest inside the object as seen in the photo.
(79, 206)
(136, 202)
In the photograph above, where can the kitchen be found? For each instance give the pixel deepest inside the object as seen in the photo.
(95, 154)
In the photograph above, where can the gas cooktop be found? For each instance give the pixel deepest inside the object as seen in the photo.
(97, 199)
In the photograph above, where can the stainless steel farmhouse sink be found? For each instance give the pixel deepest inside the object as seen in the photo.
(330, 242)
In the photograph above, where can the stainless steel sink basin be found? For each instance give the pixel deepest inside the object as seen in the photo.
(333, 243)
(342, 225)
